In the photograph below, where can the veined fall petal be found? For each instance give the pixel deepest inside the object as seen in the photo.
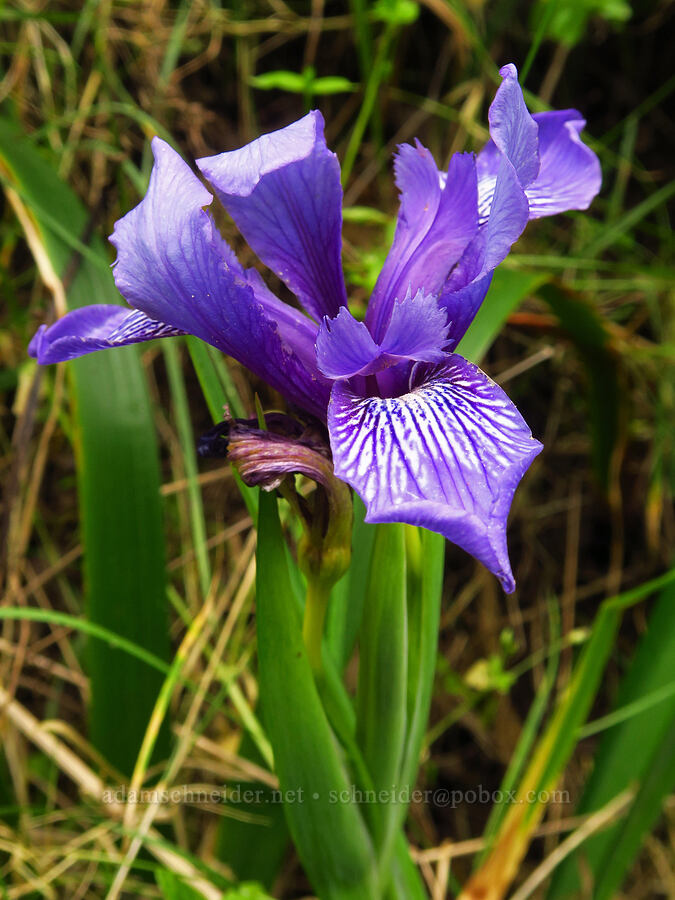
(447, 455)
(97, 327)
(173, 266)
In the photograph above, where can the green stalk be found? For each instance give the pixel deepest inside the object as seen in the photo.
(377, 75)
(316, 604)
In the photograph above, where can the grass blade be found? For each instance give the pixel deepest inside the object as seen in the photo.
(99, 632)
(189, 456)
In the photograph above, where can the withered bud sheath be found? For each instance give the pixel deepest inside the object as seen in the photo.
(289, 447)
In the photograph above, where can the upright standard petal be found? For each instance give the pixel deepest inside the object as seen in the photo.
(96, 327)
(569, 174)
(504, 167)
(512, 128)
(448, 455)
(532, 166)
(173, 265)
(462, 304)
(507, 219)
(437, 219)
(283, 192)
(468, 283)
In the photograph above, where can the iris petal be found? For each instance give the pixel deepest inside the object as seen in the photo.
(508, 216)
(467, 285)
(569, 175)
(512, 128)
(417, 332)
(283, 192)
(448, 455)
(568, 172)
(417, 329)
(505, 166)
(344, 346)
(173, 264)
(532, 166)
(96, 327)
(437, 219)
(462, 305)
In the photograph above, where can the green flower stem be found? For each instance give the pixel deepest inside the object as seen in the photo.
(316, 604)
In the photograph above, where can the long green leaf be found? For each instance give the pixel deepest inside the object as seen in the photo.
(628, 754)
(327, 827)
(656, 786)
(383, 671)
(181, 412)
(425, 563)
(426, 557)
(118, 476)
(508, 289)
(555, 746)
(406, 880)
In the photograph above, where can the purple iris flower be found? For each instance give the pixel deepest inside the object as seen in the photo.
(423, 435)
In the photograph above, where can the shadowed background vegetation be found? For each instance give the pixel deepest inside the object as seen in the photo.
(128, 639)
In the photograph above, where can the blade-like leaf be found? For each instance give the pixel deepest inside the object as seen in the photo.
(383, 657)
(426, 557)
(117, 470)
(327, 827)
(508, 289)
(630, 753)
(553, 750)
